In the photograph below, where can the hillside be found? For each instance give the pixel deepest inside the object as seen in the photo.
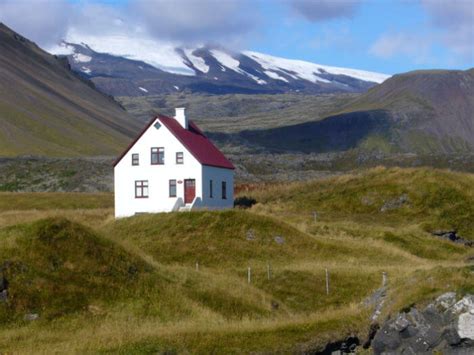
(46, 109)
(79, 281)
(418, 112)
(120, 66)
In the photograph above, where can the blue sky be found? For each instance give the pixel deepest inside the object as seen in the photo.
(388, 36)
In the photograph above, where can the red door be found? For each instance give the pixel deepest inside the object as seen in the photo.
(189, 190)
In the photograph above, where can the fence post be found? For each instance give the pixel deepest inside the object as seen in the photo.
(248, 274)
(327, 282)
(197, 266)
(315, 215)
(384, 279)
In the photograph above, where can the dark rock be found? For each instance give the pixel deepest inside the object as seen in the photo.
(3, 283)
(346, 346)
(3, 296)
(444, 326)
(275, 305)
(452, 236)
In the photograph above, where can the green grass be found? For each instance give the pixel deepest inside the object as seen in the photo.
(54, 201)
(131, 285)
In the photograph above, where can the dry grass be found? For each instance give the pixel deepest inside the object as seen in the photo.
(174, 307)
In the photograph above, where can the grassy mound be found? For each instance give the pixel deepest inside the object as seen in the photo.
(56, 267)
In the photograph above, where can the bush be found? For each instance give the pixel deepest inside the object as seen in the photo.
(244, 202)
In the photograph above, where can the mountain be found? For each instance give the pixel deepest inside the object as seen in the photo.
(138, 70)
(417, 112)
(47, 109)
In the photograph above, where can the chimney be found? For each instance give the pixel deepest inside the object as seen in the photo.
(180, 116)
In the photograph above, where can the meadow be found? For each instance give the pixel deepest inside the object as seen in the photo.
(179, 282)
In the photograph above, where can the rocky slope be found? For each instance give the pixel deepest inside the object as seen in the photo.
(130, 70)
(46, 109)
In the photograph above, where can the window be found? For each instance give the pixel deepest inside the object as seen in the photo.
(172, 188)
(141, 189)
(135, 159)
(157, 156)
(224, 190)
(210, 189)
(179, 158)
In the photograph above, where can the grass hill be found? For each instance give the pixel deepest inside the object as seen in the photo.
(46, 109)
(132, 285)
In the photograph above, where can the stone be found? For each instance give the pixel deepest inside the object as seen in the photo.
(31, 316)
(444, 326)
(466, 326)
(250, 235)
(446, 300)
(395, 203)
(279, 239)
(451, 335)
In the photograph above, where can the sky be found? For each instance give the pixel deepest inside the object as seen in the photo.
(387, 36)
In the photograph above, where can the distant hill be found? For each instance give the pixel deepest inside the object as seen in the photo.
(134, 69)
(415, 112)
(46, 109)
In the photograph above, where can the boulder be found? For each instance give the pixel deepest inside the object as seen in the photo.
(445, 326)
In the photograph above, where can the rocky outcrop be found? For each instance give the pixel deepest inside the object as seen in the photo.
(445, 326)
(452, 236)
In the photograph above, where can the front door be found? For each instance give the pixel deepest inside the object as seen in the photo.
(189, 190)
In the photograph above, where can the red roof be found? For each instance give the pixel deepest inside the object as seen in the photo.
(193, 139)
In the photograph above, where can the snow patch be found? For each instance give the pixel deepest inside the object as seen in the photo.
(176, 87)
(233, 64)
(135, 46)
(196, 61)
(308, 71)
(142, 89)
(86, 70)
(81, 58)
(275, 76)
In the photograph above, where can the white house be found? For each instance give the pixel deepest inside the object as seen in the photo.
(172, 166)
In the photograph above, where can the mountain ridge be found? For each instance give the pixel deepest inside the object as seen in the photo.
(417, 112)
(211, 69)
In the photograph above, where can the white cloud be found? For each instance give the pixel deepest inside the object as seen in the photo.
(42, 21)
(191, 21)
(456, 21)
(415, 46)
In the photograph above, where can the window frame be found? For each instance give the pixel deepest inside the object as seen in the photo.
(179, 158)
(211, 189)
(172, 183)
(224, 190)
(135, 159)
(141, 185)
(159, 152)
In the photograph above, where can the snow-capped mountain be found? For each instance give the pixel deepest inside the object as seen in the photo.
(150, 68)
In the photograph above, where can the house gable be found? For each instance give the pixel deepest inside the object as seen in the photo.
(193, 139)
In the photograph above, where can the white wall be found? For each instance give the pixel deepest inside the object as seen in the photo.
(158, 177)
(217, 175)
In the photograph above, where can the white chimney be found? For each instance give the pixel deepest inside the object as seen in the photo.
(180, 116)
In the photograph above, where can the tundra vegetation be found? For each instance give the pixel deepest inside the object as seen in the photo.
(77, 280)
